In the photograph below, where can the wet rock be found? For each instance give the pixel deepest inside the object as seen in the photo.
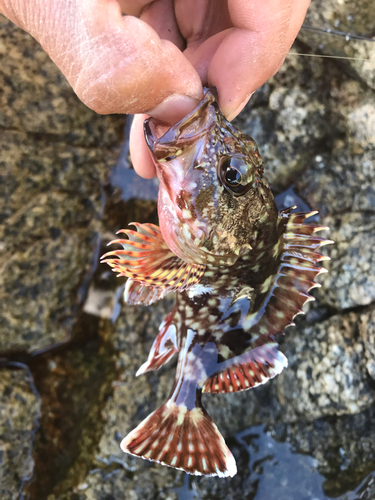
(132, 400)
(343, 449)
(19, 413)
(74, 386)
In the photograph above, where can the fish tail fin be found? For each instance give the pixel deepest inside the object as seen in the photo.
(181, 438)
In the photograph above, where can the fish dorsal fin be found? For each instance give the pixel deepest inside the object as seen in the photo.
(146, 259)
(281, 297)
(248, 370)
(278, 300)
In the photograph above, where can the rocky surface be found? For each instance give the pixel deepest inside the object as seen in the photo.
(349, 18)
(19, 413)
(55, 157)
(67, 187)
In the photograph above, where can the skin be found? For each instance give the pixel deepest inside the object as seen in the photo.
(157, 59)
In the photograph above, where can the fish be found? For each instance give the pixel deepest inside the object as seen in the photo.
(241, 269)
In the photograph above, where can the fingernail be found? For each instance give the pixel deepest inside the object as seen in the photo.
(173, 108)
(239, 108)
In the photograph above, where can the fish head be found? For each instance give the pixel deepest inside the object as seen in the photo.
(213, 198)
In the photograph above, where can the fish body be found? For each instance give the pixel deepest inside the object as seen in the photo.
(242, 270)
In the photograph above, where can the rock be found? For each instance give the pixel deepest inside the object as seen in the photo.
(19, 413)
(342, 448)
(49, 232)
(37, 99)
(341, 185)
(132, 400)
(327, 373)
(351, 278)
(55, 158)
(345, 17)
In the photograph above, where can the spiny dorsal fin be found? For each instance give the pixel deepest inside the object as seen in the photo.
(280, 298)
(285, 293)
(147, 260)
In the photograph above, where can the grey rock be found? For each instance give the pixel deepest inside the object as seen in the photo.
(36, 98)
(350, 18)
(49, 232)
(19, 413)
(327, 373)
(55, 155)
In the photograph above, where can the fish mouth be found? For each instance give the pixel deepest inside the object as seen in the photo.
(175, 152)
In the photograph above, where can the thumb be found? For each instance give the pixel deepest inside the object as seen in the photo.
(115, 63)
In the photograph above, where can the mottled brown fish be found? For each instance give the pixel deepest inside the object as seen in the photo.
(242, 271)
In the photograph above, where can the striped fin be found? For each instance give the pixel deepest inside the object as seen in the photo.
(183, 439)
(248, 370)
(282, 296)
(146, 259)
(276, 303)
(164, 346)
(137, 294)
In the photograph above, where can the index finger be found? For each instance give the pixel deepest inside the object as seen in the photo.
(254, 49)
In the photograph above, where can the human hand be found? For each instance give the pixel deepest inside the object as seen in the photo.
(156, 59)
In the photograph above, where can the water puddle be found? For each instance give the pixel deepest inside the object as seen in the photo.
(275, 471)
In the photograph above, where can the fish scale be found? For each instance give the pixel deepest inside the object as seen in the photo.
(241, 269)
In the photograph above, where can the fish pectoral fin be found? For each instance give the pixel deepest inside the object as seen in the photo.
(248, 370)
(183, 439)
(137, 294)
(163, 348)
(146, 259)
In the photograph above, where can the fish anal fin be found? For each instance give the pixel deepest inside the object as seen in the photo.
(248, 370)
(163, 348)
(145, 258)
(183, 439)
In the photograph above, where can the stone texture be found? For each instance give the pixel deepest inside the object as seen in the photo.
(350, 18)
(55, 157)
(19, 413)
(36, 98)
(327, 373)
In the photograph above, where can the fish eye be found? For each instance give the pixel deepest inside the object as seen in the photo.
(233, 177)
(235, 174)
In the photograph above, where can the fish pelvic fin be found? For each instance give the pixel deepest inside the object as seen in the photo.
(164, 346)
(184, 439)
(137, 294)
(152, 267)
(248, 370)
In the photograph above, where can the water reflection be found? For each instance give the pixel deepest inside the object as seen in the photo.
(276, 471)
